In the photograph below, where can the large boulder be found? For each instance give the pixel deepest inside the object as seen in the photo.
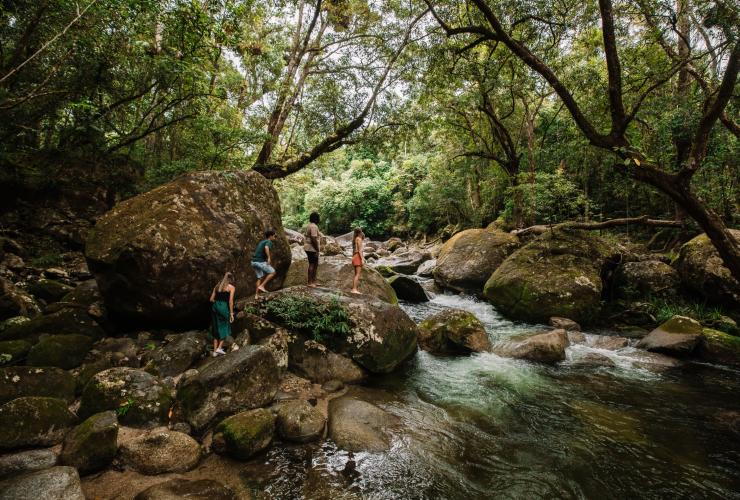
(243, 379)
(64, 351)
(16, 302)
(180, 352)
(49, 290)
(298, 421)
(408, 288)
(646, 278)
(245, 434)
(23, 381)
(557, 274)
(175, 489)
(34, 421)
(93, 444)
(426, 269)
(15, 464)
(356, 425)
(157, 256)
(337, 272)
(314, 361)
(55, 483)
(13, 351)
(453, 331)
(701, 269)
(66, 321)
(404, 262)
(719, 347)
(543, 347)
(678, 336)
(160, 451)
(469, 258)
(140, 399)
(377, 335)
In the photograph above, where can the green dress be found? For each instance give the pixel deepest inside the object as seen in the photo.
(220, 316)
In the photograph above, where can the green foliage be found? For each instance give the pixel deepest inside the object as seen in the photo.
(321, 321)
(550, 199)
(5, 358)
(124, 407)
(663, 310)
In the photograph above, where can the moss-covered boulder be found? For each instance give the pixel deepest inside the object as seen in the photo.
(542, 347)
(557, 274)
(93, 444)
(678, 336)
(160, 451)
(64, 351)
(245, 434)
(336, 272)
(22, 381)
(469, 258)
(241, 380)
(300, 422)
(34, 421)
(66, 321)
(701, 269)
(376, 335)
(177, 355)
(49, 290)
(140, 399)
(408, 288)
(453, 331)
(646, 278)
(52, 483)
(13, 351)
(157, 256)
(719, 347)
(200, 489)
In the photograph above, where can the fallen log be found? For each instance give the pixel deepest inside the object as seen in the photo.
(643, 220)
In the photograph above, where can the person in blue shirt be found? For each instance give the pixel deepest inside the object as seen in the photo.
(262, 261)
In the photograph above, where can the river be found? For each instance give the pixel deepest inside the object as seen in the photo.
(488, 427)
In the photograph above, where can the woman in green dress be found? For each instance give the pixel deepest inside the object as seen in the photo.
(222, 312)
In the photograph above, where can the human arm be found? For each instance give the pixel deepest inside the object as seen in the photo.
(313, 235)
(213, 295)
(268, 253)
(231, 302)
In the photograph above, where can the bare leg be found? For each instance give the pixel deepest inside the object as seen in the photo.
(356, 280)
(312, 274)
(257, 288)
(268, 278)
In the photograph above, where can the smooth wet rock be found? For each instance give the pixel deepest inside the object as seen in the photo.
(157, 256)
(13, 352)
(22, 381)
(179, 354)
(544, 347)
(336, 272)
(176, 489)
(702, 270)
(241, 380)
(380, 335)
(719, 347)
(63, 351)
(653, 361)
(564, 323)
(593, 359)
(646, 278)
(140, 399)
(557, 274)
(66, 321)
(245, 434)
(609, 342)
(678, 336)
(408, 288)
(49, 290)
(300, 422)
(405, 262)
(160, 451)
(426, 268)
(55, 483)
(468, 259)
(93, 444)
(356, 425)
(34, 421)
(15, 464)
(314, 361)
(453, 331)
(575, 337)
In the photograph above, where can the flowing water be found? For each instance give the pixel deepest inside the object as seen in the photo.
(488, 427)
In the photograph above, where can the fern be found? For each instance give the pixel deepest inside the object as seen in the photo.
(323, 321)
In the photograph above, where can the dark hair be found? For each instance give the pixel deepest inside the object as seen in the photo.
(269, 232)
(314, 217)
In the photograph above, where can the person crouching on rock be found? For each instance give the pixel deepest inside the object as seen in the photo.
(222, 312)
(262, 262)
(358, 256)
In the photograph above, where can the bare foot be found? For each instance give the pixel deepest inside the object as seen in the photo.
(312, 285)
(356, 291)
(261, 289)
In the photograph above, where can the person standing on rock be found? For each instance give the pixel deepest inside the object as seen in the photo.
(312, 247)
(222, 312)
(262, 262)
(358, 256)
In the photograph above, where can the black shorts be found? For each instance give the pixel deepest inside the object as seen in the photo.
(313, 257)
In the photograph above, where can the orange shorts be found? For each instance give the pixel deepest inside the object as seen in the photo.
(357, 260)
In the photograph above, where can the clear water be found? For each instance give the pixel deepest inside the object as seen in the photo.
(488, 427)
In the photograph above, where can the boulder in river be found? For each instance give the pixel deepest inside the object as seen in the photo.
(55, 483)
(241, 380)
(161, 450)
(701, 269)
(426, 269)
(314, 361)
(557, 274)
(544, 347)
(34, 421)
(356, 425)
(157, 256)
(453, 331)
(719, 347)
(23, 381)
(404, 262)
(377, 335)
(245, 434)
(200, 489)
(337, 272)
(408, 288)
(565, 323)
(64, 351)
(646, 278)
(678, 336)
(15, 464)
(468, 259)
(298, 421)
(93, 444)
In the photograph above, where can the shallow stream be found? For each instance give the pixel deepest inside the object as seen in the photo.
(488, 427)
